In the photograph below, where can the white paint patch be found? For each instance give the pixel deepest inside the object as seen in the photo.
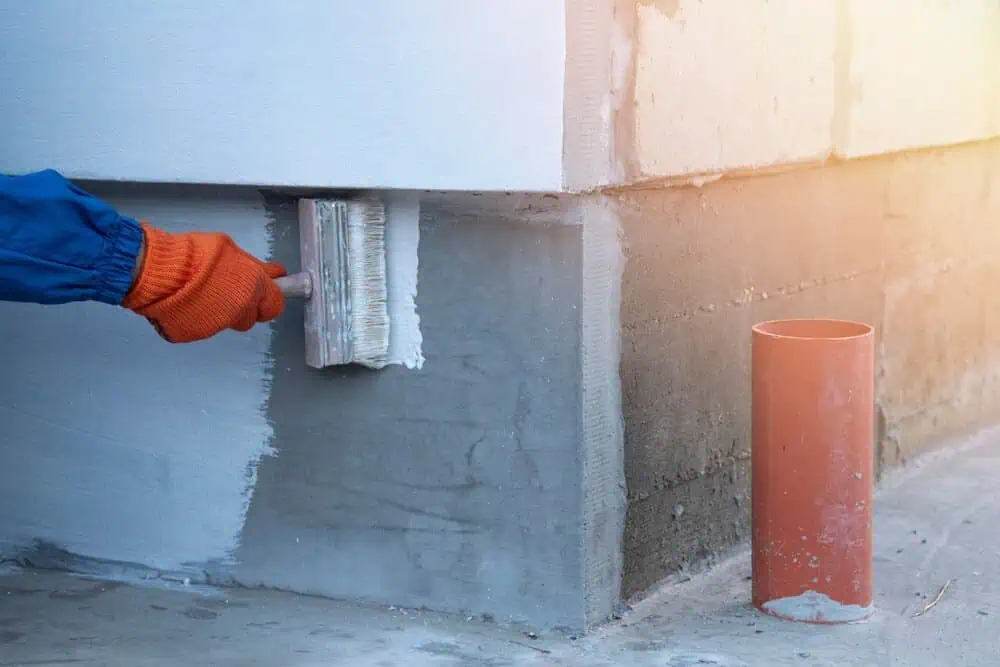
(116, 445)
(402, 241)
(813, 607)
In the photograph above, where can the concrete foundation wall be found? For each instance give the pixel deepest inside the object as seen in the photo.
(487, 482)
(909, 243)
(463, 486)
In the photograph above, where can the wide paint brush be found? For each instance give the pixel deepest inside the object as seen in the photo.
(343, 280)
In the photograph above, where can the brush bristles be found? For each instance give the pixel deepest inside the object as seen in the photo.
(343, 249)
(369, 317)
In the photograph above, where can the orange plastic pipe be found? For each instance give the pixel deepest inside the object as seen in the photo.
(813, 404)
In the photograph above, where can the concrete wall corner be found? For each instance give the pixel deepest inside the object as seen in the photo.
(604, 502)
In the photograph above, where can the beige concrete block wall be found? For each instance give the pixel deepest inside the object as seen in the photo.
(918, 73)
(720, 87)
(771, 83)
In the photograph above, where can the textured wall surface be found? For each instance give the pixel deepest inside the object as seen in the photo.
(908, 243)
(118, 446)
(717, 89)
(784, 81)
(489, 481)
(917, 73)
(458, 487)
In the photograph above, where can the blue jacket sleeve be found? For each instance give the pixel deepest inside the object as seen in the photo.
(60, 244)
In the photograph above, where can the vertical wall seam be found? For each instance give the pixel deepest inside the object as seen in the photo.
(603, 431)
(841, 121)
(597, 66)
(585, 146)
(992, 55)
(624, 152)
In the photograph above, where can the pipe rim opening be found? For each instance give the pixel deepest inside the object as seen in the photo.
(813, 329)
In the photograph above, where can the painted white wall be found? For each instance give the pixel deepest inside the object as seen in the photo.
(437, 94)
(113, 446)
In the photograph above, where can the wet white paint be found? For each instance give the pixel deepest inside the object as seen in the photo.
(437, 94)
(402, 247)
(813, 607)
(117, 445)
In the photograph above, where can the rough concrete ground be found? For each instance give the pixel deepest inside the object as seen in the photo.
(936, 525)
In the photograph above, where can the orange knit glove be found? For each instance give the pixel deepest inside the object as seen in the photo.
(192, 286)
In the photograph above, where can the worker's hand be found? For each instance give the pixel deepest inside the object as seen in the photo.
(191, 286)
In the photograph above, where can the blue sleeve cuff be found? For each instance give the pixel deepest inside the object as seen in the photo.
(117, 264)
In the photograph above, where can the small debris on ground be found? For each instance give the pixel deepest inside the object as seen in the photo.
(933, 603)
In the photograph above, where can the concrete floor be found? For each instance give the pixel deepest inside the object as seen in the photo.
(936, 525)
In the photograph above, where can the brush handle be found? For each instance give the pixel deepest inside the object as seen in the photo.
(297, 285)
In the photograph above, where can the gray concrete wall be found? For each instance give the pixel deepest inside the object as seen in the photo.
(456, 487)
(908, 243)
(488, 482)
